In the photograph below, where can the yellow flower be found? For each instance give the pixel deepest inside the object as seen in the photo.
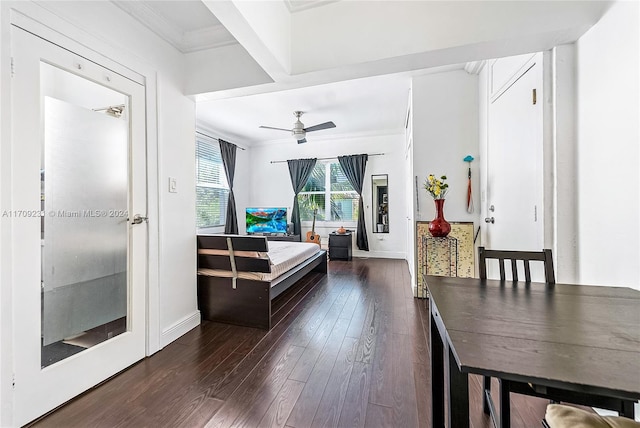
(437, 188)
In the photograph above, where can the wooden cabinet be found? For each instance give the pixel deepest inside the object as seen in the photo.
(340, 246)
(450, 256)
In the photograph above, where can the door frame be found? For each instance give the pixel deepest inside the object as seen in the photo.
(37, 20)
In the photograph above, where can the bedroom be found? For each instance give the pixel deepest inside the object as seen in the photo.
(172, 74)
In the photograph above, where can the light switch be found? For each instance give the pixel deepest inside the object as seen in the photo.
(173, 185)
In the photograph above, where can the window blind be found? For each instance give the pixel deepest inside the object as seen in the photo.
(212, 190)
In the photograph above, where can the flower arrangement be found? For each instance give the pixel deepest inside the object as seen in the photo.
(437, 188)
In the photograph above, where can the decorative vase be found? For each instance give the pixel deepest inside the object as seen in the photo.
(439, 227)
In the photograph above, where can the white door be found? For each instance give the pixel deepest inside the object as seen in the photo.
(410, 195)
(78, 259)
(514, 164)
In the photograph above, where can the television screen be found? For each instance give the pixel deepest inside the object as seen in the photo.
(266, 220)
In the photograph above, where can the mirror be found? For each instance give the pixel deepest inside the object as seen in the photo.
(380, 195)
(85, 234)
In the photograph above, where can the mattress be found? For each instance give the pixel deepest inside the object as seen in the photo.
(284, 255)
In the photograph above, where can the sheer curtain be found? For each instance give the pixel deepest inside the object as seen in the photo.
(299, 170)
(354, 167)
(228, 154)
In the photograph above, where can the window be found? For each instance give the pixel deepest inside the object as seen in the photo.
(212, 190)
(328, 183)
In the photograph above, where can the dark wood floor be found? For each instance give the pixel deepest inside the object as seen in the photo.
(351, 349)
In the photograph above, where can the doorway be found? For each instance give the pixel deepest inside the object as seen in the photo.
(79, 144)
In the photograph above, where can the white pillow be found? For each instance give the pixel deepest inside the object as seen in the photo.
(561, 416)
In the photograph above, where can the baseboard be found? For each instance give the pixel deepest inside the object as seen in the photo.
(180, 328)
(379, 254)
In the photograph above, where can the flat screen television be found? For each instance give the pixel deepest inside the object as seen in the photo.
(266, 220)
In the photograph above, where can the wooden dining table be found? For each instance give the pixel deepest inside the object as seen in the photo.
(580, 343)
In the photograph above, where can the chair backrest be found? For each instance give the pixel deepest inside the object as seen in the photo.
(526, 256)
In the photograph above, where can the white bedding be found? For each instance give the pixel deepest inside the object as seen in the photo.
(284, 255)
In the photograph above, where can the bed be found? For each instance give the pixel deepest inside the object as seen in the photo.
(240, 276)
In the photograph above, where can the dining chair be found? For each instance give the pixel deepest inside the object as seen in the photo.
(512, 257)
(624, 407)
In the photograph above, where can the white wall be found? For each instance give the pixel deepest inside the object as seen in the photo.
(177, 220)
(445, 130)
(6, 359)
(607, 149)
(565, 202)
(270, 184)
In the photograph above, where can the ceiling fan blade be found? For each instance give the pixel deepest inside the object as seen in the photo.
(325, 125)
(277, 129)
(304, 140)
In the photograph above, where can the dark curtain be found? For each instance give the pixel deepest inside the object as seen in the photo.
(228, 153)
(299, 170)
(354, 167)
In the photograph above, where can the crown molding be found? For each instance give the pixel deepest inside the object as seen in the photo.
(207, 129)
(184, 41)
(299, 5)
(206, 38)
(475, 67)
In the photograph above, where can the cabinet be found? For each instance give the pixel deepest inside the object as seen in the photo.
(450, 256)
(440, 258)
(340, 246)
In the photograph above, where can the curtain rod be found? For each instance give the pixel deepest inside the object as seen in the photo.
(334, 157)
(218, 140)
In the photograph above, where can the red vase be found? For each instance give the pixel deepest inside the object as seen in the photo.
(439, 227)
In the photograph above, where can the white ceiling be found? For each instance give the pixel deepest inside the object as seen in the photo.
(353, 106)
(345, 61)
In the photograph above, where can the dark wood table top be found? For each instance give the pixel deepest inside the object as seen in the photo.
(560, 335)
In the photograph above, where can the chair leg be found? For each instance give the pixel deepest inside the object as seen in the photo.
(628, 409)
(505, 404)
(485, 396)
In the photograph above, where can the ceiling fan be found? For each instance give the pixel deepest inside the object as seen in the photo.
(298, 131)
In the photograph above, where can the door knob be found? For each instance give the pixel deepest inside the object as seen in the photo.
(137, 219)
(490, 220)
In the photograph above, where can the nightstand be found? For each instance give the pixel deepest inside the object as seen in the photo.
(340, 246)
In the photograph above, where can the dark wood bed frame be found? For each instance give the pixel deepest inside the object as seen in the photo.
(249, 303)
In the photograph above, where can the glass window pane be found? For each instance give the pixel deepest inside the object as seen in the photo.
(344, 206)
(316, 181)
(339, 181)
(307, 202)
(211, 206)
